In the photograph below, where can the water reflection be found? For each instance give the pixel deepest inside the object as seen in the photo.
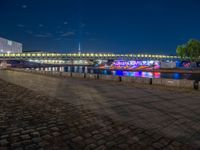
(60, 69)
(137, 74)
(85, 69)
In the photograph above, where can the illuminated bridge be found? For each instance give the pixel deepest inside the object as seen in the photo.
(83, 58)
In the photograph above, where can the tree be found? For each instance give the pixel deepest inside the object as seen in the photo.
(181, 51)
(190, 50)
(193, 48)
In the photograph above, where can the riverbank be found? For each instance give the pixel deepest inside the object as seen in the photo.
(72, 113)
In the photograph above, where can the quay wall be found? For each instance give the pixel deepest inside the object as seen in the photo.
(66, 74)
(137, 80)
(198, 86)
(182, 83)
(78, 75)
(91, 76)
(109, 77)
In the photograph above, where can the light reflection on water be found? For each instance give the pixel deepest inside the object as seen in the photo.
(137, 74)
(123, 73)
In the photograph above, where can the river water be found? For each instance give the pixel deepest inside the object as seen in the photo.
(82, 69)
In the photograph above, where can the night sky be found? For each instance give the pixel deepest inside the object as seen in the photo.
(119, 26)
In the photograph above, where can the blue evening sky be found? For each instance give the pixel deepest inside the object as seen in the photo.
(119, 26)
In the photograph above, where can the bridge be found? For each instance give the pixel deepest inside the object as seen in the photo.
(84, 58)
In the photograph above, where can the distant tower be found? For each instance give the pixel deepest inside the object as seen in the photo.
(79, 48)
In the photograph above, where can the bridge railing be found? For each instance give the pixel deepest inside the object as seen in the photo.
(83, 56)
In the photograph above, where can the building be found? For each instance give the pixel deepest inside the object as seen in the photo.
(7, 46)
(168, 65)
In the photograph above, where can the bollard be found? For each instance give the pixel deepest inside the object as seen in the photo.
(196, 85)
(120, 79)
(151, 80)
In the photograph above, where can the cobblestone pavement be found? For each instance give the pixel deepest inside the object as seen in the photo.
(81, 114)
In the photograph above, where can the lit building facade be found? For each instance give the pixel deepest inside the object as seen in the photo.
(8, 46)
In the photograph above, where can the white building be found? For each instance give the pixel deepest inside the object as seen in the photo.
(167, 65)
(7, 46)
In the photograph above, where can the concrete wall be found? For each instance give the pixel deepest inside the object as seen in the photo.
(156, 81)
(174, 83)
(109, 77)
(170, 82)
(187, 84)
(91, 76)
(66, 74)
(136, 80)
(199, 85)
(55, 73)
(77, 75)
(128, 79)
(142, 80)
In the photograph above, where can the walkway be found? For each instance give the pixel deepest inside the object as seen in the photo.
(54, 113)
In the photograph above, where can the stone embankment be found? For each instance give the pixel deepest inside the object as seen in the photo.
(181, 83)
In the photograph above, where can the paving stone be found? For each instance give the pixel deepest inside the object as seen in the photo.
(46, 137)
(25, 137)
(55, 129)
(26, 142)
(95, 132)
(18, 130)
(101, 142)
(41, 128)
(31, 147)
(87, 135)
(98, 136)
(102, 147)
(123, 146)
(15, 145)
(72, 135)
(66, 137)
(89, 141)
(27, 131)
(55, 133)
(15, 134)
(36, 140)
(35, 134)
(4, 136)
(77, 139)
(4, 148)
(43, 132)
(90, 147)
(125, 131)
(44, 144)
(4, 142)
(19, 148)
(111, 144)
(157, 145)
(176, 144)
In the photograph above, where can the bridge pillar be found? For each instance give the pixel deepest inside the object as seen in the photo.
(71, 62)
